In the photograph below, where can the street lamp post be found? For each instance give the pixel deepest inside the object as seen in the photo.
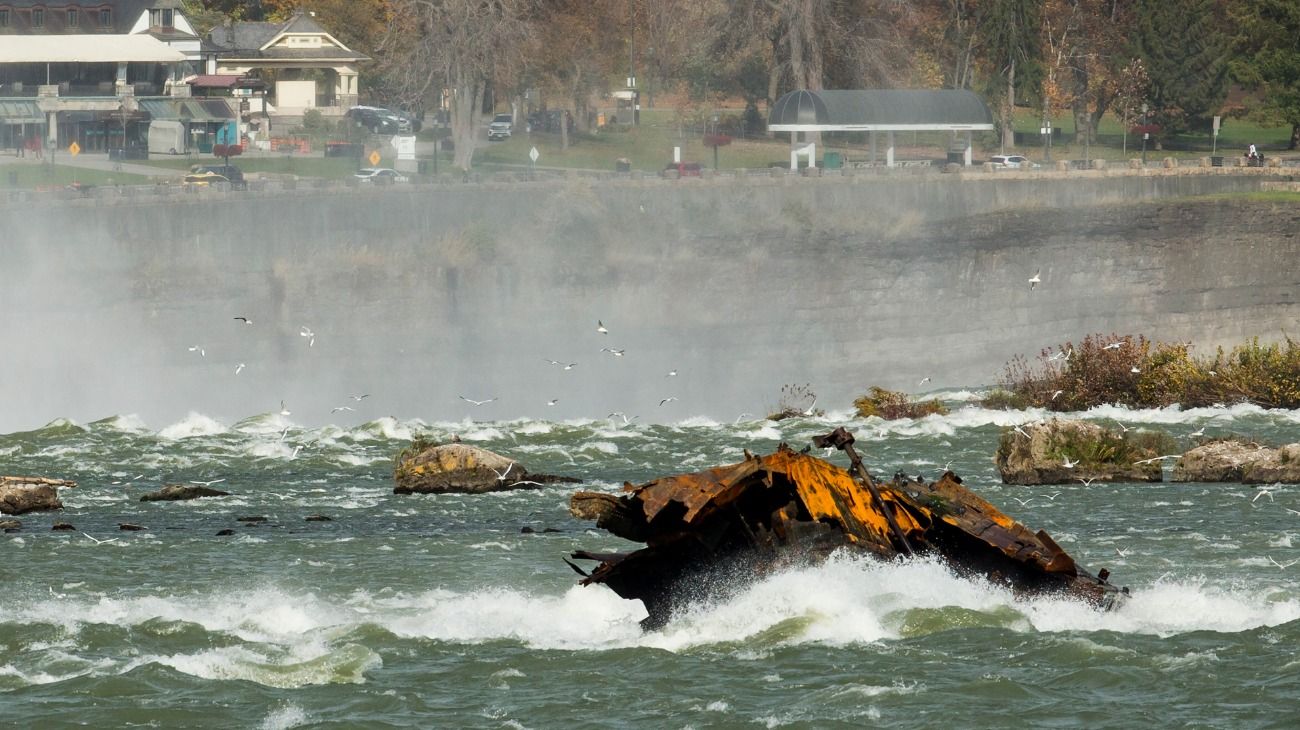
(1145, 133)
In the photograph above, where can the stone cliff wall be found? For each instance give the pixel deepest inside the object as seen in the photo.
(417, 296)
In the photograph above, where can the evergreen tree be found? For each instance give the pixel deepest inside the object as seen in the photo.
(1012, 29)
(1269, 57)
(1185, 48)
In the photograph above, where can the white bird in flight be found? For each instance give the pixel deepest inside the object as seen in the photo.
(283, 411)
(245, 320)
(199, 349)
(1069, 464)
(612, 351)
(1113, 346)
(1056, 394)
(1087, 482)
(336, 409)
(1270, 559)
(306, 332)
(1264, 492)
(476, 402)
(239, 367)
(1135, 369)
(1035, 280)
(207, 483)
(669, 399)
(924, 380)
(600, 327)
(552, 401)
(97, 542)
(671, 374)
(358, 398)
(1198, 432)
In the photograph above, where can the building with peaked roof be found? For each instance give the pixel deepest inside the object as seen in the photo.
(304, 66)
(958, 112)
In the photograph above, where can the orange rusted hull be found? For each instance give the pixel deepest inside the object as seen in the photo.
(766, 512)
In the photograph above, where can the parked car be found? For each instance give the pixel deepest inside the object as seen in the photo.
(231, 173)
(200, 180)
(1013, 161)
(382, 121)
(501, 126)
(684, 169)
(380, 174)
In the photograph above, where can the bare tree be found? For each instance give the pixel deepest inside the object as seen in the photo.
(460, 45)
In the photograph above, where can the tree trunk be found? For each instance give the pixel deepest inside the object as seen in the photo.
(1009, 110)
(1082, 119)
(1295, 137)
(466, 100)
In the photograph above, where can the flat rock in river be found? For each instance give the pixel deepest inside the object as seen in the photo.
(457, 467)
(1239, 461)
(1063, 451)
(177, 492)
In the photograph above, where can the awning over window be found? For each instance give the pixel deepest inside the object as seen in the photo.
(188, 110)
(20, 111)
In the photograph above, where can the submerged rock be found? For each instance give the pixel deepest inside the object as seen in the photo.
(457, 467)
(19, 495)
(10, 525)
(318, 518)
(225, 533)
(130, 527)
(1239, 461)
(178, 492)
(62, 527)
(1065, 451)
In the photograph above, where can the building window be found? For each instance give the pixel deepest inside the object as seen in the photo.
(38, 17)
(73, 18)
(161, 18)
(105, 17)
(4, 17)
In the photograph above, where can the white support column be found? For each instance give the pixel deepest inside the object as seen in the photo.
(53, 130)
(873, 146)
(889, 150)
(968, 153)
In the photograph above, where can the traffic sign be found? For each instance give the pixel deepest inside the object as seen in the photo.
(374, 157)
(74, 149)
(533, 154)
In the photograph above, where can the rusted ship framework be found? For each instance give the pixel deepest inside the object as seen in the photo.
(770, 512)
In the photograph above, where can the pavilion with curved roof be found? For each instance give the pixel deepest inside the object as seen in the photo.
(956, 111)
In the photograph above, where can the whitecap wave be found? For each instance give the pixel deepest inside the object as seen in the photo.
(194, 424)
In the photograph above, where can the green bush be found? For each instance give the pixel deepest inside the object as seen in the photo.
(1136, 372)
(890, 405)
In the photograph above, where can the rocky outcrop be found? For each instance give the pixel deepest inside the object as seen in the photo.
(19, 495)
(8, 525)
(1066, 451)
(457, 467)
(178, 492)
(1239, 461)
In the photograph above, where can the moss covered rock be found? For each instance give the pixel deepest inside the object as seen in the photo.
(1065, 451)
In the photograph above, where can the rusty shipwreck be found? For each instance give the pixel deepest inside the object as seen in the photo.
(768, 512)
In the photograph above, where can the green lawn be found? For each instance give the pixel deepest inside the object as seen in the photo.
(327, 167)
(28, 176)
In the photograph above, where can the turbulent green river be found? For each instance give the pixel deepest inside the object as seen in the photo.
(443, 611)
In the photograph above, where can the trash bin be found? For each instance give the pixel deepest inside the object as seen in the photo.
(1216, 161)
(833, 161)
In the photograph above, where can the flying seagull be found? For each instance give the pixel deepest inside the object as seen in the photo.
(612, 351)
(306, 332)
(358, 398)
(283, 411)
(671, 373)
(199, 349)
(552, 401)
(1135, 369)
(239, 367)
(1035, 280)
(111, 539)
(600, 327)
(341, 408)
(924, 380)
(1198, 432)
(669, 399)
(208, 483)
(1056, 394)
(245, 320)
(1270, 559)
(475, 402)
(1113, 346)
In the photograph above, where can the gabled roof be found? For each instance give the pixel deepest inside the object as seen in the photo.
(879, 110)
(258, 40)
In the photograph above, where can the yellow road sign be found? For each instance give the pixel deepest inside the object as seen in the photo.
(74, 149)
(374, 157)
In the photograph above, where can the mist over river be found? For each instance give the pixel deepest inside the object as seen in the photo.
(381, 315)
